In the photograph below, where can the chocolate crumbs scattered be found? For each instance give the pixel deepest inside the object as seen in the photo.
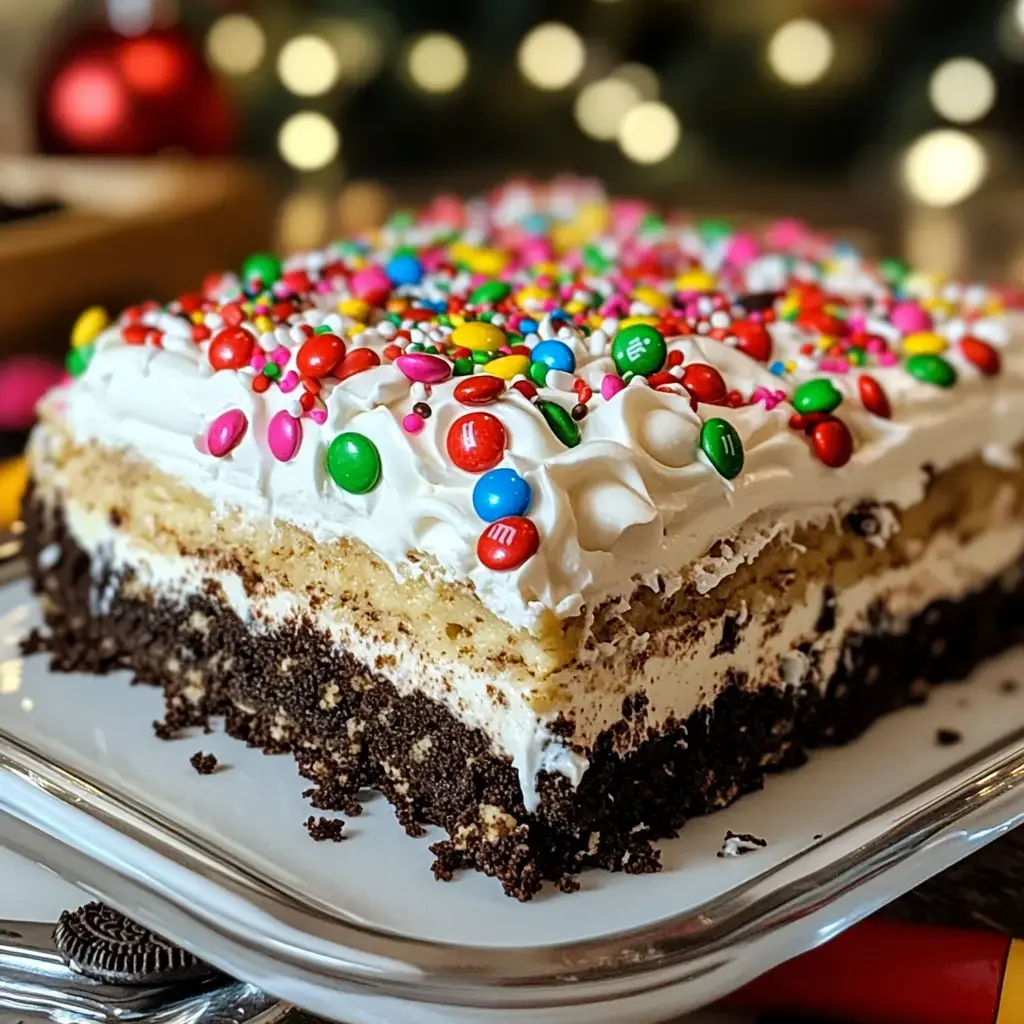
(204, 764)
(947, 737)
(324, 830)
(1009, 686)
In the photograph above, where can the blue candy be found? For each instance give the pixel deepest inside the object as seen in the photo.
(404, 269)
(527, 326)
(555, 355)
(500, 493)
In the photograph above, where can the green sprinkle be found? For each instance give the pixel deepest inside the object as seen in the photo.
(489, 293)
(538, 373)
(463, 366)
(931, 369)
(78, 359)
(272, 370)
(261, 266)
(562, 425)
(819, 395)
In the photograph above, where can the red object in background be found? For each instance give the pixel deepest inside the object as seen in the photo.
(115, 95)
(885, 972)
(23, 381)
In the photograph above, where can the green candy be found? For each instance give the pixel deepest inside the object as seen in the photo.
(639, 349)
(272, 370)
(931, 369)
(78, 359)
(723, 447)
(482, 358)
(327, 329)
(819, 395)
(562, 425)
(538, 373)
(489, 293)
(463, 366)
(714, 230)
(354, 463)
(893, 270)
(263, 266)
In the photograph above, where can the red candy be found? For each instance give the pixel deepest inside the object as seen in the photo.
(200, 332)
(319, 355)
(479, 390)
(356, 361)
(134, 334)
(231, 349)
(873, 397)
(232, 314)
(507, 543)
(981, 354)
(704, 383)
(476, 442)
(753, 339)
(832, 442)
(526, 389)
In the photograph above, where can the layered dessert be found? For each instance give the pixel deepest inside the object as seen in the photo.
(557, 520)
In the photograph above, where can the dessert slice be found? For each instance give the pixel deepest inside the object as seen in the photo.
(556, 520)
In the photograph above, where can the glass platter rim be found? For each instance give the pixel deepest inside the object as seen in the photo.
(675, 949)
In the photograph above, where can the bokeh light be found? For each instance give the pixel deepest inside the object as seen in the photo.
(800, 52)
(602, 105)
(437, 63)
(649, 133)
(308, 66)
(235, 44)
(308, 141)
(641, 77)
(359, 47)
(944, 167)
(551, 56)
(962, 90)
(302, 221)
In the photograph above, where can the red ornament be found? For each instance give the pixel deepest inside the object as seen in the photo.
(832, 442)
(231, 349)
(479, 390)
(507, 543)
(873, 397)
(981, 354)
(356, 361)
(704, 383)
(476, 442)
(319, 355)
(753, 339)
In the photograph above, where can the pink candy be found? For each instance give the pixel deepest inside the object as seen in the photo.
(225, 433)
(424, 368)
(786, 234)
(284, 435)
(371, 284)
(909, 317)
(413, 423)
(741, 250)
(611, 386)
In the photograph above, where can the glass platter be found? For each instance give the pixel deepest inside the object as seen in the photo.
(360, 930)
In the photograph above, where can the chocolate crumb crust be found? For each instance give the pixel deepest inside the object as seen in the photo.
(289, 689)
(204, 764)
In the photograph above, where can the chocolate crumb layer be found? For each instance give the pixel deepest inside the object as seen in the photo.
(367, 736)
(323, 829)
(204, 764)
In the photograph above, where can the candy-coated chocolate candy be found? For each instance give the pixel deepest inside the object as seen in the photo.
(404, 268)
(225, 433)
(78, 359)
(752, 339)
(284, 435)
(924, 343)
(562, 425)
(501, 492)
(832, 442)
(263, 267)
(909, 318)
(353, 462)
(819, 395)
(476, 442)
(371, 284)
(981, 354)
(931, 369)
(319, 355)
(231, 349)
(611, 386)
(704, 383)
(413, 423)
(88, 325)
(526, 388)
(538, 373)
(463, 366)
(478, 336)
(556, 355)
(873, 397)
(424, 368)
(722, 445)
(489, 293)
(355, 361)
(479, 390)
(134, 334)
(507, 367)
(507, 543)
(639, 349)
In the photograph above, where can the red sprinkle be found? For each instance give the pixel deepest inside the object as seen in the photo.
(832, 442)
(507, 543)
(526, 389)
(134, 334)
(392, 352)
(704, 383)
(675, 358)
(481, 389)
(260, 383)
(476, 442)
(232, 314)
(307, 401)
(356, 361)
(200, 332)
(319, 355)
(231, 349)
(981, 354)
(873, 397)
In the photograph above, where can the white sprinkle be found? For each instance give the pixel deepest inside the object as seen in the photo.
(597, 343)
(559, 380)
(419, 391)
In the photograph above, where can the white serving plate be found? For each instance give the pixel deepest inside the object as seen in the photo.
(360, 931)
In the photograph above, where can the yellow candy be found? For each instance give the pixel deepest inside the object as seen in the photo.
(924, 343)
(356, 329)
(13, 480)
(263, 324)
(825, 342)
(629, 321)
(696, 280)
(197, 317)
(652, 298)
(89, 323)
(487, 261)
(531, 293)
(457, 319)
(478, 336)
(574, 307)
(507, 367)
(355, 308)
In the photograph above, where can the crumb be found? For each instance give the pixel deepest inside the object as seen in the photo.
(1009, 686)
(323, 829)
(736, 844)
(164, 731)
(568, 883)
(817, 835)
(205, 764)
(34, 643)
(947, 737)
